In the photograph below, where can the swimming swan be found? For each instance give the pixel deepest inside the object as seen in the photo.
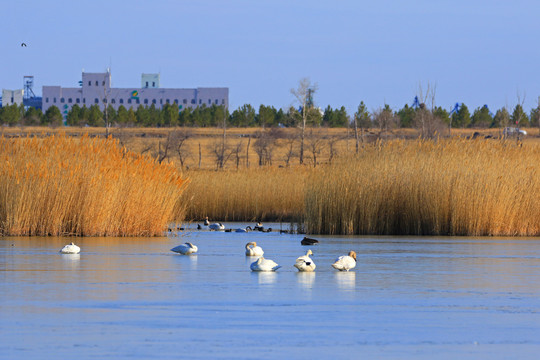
(304, 263)
(242, 230)
(185, 249)
(345, 262)
(70, 249)
(263, 264)
(216, 226)
(253, 250)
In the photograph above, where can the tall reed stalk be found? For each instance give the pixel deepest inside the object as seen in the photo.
(88, 186)
(452, 187)
(267, 194)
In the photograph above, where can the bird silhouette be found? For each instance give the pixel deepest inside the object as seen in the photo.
(23, 44)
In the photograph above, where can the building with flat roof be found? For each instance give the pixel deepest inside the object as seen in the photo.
(95, 89)
(10, 97)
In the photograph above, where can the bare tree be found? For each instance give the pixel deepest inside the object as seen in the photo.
(425, 118)
(264, 147)
(332, 146)
(314, 144)
(236, 150)
(304, 96)
(290, 140)
(222, 152)
(163, 151)
(180, 138)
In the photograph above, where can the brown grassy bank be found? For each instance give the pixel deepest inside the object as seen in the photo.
(455, 187)
(81, 186)
(269, 194)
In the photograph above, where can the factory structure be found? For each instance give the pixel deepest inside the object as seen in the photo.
(95, 89)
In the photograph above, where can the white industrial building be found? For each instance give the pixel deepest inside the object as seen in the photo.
(10, 97)
(95, 88)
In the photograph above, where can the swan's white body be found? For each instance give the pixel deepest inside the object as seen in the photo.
(345, 262)
(243, 230)
(70, 249)
(253, 250)
(216, 226)
(185, 249)
(304, 263)
(263, 264)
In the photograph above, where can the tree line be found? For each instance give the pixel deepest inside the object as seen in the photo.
(384, 118)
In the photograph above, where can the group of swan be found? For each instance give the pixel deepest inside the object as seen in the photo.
(303, 263)
(219, 226)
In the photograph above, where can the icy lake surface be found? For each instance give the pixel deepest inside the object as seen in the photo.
(408, 297)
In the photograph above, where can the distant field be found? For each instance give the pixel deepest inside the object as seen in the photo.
(198, 150)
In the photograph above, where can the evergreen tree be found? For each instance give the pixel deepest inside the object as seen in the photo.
(53, 116)
(481, 117)
(33, 116)
(462, 117)
(519, 117)
(501, 118)
(362, 116)
(73, 116)
(406, 116)
(122, 116)
(95, 116)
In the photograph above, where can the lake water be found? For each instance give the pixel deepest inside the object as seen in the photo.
(408, 297)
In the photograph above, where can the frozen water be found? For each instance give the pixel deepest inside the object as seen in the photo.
(408, 297)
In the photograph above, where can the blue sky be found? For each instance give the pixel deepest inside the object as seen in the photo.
(476, 52)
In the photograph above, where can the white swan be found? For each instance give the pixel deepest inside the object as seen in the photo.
(185, 249)
(345, 262)
(253, 250)
(216, 226)
(263, 264)
(304, 263)
(242, 230)
(70, 249)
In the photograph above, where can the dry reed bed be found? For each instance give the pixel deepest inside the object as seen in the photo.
(61, 185)
(266, 194)
(454, 187)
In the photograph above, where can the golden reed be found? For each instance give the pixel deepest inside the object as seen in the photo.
(62, 185)
(266, 194)
(450, 187)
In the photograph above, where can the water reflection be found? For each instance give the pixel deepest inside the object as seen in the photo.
(305, 279)
(71, 260)
(266, 277)
(346, 280)
(193, 261)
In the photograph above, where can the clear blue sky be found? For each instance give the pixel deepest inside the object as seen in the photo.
(476, 52)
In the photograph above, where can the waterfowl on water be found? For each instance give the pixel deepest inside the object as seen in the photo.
(70, 249)
(185, 249)
(246, 229)
(216, 226)
(258, 227)
(206, 222)
(199, 227)
(253, 250)
(304, 263)
(309, 241)
(345, 262)
(263, 264)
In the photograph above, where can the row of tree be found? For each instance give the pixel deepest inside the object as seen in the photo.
(268, 116)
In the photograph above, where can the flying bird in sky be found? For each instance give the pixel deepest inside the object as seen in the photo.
(23, 44)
